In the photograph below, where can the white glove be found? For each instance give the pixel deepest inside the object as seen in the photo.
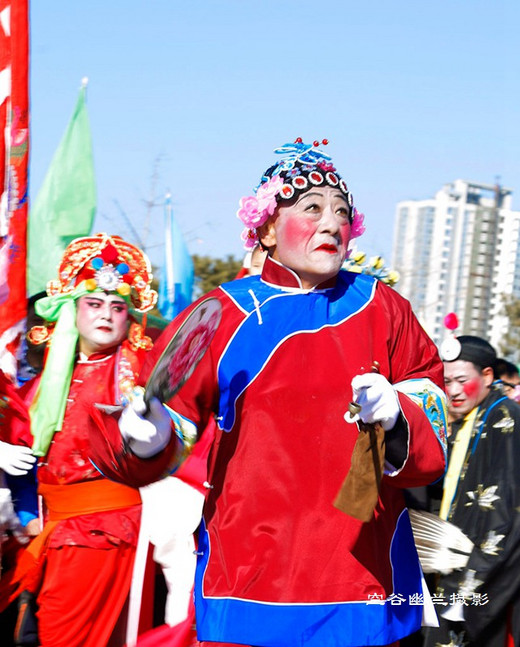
(377, 399)
(16, 459)
(146, 433)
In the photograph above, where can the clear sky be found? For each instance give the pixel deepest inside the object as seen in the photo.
(192, 97)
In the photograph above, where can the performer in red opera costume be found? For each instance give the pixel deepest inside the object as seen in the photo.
(82, 561)
(278, 564)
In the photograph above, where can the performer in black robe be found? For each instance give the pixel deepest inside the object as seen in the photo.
(479, 605)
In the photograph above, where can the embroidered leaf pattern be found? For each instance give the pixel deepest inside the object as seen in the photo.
(485, 497)
(490, 544)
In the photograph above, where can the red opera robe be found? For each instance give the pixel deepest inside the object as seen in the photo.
(278, 563)
(85, 554)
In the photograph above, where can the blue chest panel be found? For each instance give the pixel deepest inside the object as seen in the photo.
(273, 316)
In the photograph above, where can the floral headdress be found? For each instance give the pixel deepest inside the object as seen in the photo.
(302, 166)
(107, 263)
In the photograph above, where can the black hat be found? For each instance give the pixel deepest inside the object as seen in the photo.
(470, 348)
(304, 166)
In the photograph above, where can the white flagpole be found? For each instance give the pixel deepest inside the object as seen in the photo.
(170, 278)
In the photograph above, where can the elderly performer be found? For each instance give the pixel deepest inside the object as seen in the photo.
(84, 556)
(279, 564)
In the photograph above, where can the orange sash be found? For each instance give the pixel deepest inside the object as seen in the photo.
(64, 502)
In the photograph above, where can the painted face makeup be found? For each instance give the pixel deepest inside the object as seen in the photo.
(311, 236)
(471, 388)
(465, 385)
(102, 322)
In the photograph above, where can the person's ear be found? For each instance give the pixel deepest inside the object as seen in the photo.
(267, 234)
(488, 376)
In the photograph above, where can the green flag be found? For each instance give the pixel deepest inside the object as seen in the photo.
(66, 203)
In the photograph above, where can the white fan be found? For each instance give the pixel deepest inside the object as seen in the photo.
(441, 546)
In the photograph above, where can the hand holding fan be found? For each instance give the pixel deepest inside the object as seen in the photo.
(184, 351)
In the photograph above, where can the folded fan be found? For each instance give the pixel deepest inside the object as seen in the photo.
(441, 546)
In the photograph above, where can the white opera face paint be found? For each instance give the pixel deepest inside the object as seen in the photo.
(310, 236)
(466, 386)
(102, 321)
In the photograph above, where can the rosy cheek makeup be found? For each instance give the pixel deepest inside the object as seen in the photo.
(345, 234)
(298, 229)
(120, 317)
(471, 388)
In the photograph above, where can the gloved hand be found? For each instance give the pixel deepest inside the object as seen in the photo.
(377, 399)
(16, 459)
(146, 432)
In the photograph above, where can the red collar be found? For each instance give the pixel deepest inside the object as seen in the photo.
(275, 273)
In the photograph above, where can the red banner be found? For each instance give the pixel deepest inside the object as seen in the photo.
(14, 154)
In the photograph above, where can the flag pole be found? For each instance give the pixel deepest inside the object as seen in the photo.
(170, 278)
(14, 160)
(177, 272)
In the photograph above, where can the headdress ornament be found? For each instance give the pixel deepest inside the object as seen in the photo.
(301, 167)
(470, 348)
(477, 351)
(106, 263)
(450, 348)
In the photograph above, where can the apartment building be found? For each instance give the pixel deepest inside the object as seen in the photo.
(459, 252)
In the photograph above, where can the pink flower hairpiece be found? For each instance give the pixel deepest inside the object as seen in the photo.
(255, 210)
(249, 238)
(357, 228)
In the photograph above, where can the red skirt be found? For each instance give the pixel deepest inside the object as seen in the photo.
(83, 596)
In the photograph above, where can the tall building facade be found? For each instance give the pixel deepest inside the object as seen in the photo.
(459, 252)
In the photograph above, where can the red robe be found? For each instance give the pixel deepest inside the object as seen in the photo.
(278, 563)
(86, 551)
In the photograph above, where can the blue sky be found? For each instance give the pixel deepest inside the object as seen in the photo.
(192, 98)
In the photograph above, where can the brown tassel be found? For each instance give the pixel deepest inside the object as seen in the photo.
(359, 493)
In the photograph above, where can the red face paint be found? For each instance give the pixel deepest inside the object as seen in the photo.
(298, 230)
(471, 387)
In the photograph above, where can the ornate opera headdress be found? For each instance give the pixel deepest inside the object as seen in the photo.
(302, 167)
(106, 263)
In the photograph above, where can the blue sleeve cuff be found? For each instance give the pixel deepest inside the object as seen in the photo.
(25, 516)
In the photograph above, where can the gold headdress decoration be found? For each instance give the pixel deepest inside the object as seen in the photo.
(107, 263)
